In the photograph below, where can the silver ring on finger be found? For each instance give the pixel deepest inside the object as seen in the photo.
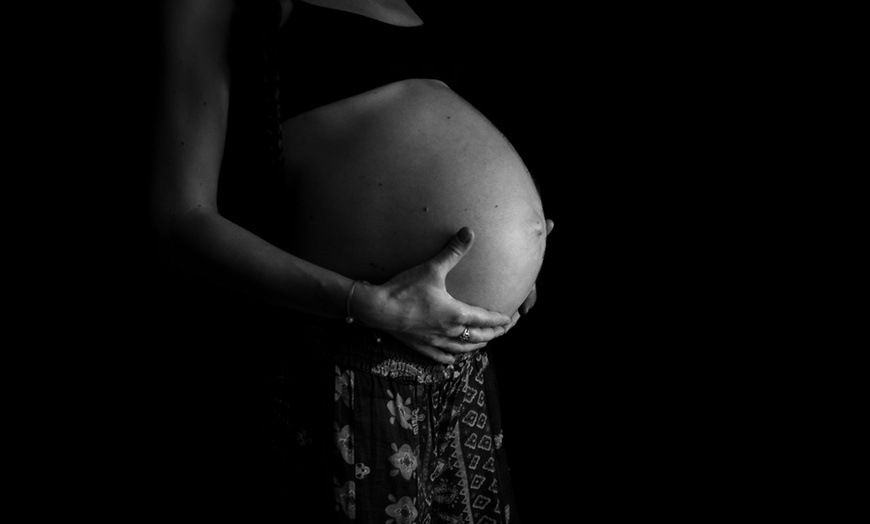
(465, 336)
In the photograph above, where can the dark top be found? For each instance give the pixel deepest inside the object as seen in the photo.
(319, 56)
(328, 55)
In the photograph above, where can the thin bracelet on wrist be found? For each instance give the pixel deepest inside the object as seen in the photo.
(349, 317)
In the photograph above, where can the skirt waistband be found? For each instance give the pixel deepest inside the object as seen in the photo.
(371, 351)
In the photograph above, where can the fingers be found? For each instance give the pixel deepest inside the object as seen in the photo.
(514, 319)
(453, 252)
(473, 316)
(444, 350)
(529, 302)
(482, 324)
(428, 350)
(456, 346)
(487, 334)
(437, 355)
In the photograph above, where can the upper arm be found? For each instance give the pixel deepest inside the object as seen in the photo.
(191, 120)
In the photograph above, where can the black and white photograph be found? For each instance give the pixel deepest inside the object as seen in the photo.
(400, 261)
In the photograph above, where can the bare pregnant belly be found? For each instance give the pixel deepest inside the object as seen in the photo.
(379, 182)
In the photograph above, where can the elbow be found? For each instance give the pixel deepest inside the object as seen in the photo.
(171, 224)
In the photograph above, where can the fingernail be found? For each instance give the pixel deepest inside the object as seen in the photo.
(465, 235)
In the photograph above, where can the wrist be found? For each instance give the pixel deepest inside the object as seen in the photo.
(360, 303)
(349, 302)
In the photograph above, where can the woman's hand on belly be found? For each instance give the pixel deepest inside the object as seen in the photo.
(415, 307)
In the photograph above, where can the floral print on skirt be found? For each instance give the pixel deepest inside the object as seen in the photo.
(410, 441)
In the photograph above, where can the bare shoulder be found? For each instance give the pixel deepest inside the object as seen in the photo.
(395, 12)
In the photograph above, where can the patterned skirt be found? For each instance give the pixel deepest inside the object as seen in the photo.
(368, 431)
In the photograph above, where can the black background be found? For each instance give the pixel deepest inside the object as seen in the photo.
(629, 390)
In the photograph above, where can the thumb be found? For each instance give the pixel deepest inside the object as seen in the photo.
(453, 252)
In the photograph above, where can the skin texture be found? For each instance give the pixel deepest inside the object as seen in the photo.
(417, 163)
(190, 128)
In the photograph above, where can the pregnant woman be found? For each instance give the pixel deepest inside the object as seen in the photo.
(396, 226)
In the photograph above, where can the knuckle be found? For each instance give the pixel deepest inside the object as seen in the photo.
(455, 249)
(461, 318)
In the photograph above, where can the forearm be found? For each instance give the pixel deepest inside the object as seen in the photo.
(190, 130)
(209, 245)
